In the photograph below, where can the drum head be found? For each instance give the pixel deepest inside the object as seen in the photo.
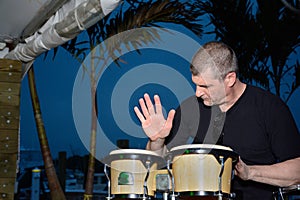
(216, 150)
(144, 156)
(201, 146)
(133, 151)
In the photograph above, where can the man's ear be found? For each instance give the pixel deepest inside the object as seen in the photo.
(230, 79)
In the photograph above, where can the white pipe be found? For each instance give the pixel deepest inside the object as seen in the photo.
(74, 17)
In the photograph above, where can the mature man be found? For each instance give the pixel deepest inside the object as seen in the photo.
(254, 123)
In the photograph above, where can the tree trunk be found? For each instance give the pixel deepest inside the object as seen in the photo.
(89, 186)
(56, 192)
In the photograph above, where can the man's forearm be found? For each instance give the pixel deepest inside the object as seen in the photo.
(282, 174)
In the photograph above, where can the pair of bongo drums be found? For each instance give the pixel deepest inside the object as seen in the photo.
(196, 171)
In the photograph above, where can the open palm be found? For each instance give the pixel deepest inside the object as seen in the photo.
(153, 121)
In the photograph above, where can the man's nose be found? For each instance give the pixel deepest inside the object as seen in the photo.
(199, 91)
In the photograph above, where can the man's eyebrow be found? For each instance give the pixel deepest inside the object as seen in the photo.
(204, 86)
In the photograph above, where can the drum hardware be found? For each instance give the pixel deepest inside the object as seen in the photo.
(221, 160)
(161, 183)
(146, 178)
(203, 194)
(282, 191)
(108, 183)
(173, 196)
(165, 196)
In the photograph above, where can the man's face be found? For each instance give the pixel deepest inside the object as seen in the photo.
(209, 88)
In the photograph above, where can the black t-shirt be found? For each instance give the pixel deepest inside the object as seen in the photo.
(258, 127)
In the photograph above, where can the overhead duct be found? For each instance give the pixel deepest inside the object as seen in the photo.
(74, 17)
(44, 13)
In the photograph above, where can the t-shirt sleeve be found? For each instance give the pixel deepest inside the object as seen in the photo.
(282, 130)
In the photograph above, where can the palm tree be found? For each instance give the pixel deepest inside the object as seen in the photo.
(282, 38)
(264, 34)
(235, 25)
(132, 14)
(56, 191)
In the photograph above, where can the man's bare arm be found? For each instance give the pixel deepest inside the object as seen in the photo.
(282, 174)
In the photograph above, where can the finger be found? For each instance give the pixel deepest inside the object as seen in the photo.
(170, 118)
(144, 108)
(158, 106)
(168, 125)
(139, 114)
(149, 104)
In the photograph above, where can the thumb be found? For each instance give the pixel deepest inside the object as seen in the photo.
(169, 121)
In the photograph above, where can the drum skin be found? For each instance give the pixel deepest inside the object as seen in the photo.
(136, 173)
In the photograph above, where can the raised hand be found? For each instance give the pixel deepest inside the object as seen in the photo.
(153, 122)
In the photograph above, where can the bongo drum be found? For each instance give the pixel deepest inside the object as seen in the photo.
(202, 170)
(131, 173)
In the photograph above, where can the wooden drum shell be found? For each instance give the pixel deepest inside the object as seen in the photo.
(200, 172)
(130, 169)
(138, 171)
(202, 169)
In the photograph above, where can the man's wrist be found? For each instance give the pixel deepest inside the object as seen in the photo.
(162, 151)
(155, 144)
(158, 141)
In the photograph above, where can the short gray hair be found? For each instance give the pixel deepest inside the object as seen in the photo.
(217, 56)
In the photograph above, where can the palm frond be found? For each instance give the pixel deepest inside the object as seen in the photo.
(137, 14)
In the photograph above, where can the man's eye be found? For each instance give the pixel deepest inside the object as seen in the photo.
(203, 86)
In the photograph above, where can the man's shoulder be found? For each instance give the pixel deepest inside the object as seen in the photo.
(260, 92)
(263, 96)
